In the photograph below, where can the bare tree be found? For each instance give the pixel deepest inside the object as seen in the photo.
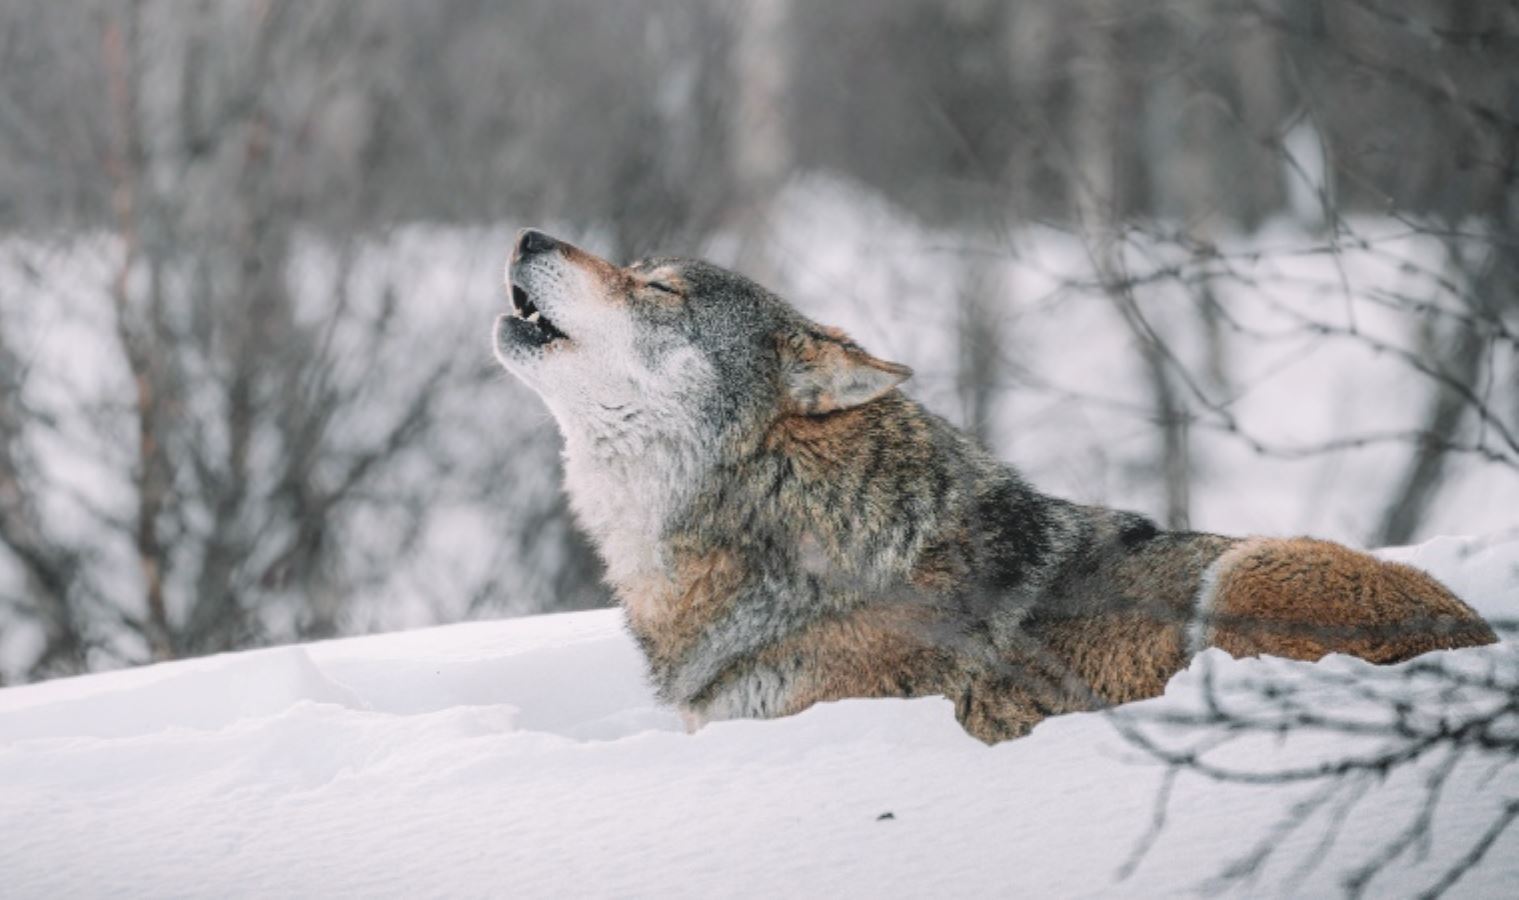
(760, 142)
(267, 425)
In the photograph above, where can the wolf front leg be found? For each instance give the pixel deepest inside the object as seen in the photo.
(997, 708)
(691, 719)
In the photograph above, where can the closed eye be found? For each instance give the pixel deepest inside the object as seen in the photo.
(661, 286)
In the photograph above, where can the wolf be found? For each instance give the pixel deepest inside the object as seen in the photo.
(784, 526)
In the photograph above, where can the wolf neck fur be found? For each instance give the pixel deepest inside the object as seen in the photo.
(628, 470)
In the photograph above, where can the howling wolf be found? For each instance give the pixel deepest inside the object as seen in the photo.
(783, 526)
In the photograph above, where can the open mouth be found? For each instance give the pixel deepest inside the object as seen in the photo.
(529, 323)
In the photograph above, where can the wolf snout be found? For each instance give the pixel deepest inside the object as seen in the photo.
(531, 242)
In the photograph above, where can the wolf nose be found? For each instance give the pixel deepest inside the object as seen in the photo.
(531, 241)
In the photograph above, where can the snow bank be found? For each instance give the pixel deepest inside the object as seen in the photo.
(527, 758)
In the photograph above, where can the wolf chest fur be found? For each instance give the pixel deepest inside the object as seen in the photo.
(784, 526)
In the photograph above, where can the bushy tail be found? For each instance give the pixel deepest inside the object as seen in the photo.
(1303, 598)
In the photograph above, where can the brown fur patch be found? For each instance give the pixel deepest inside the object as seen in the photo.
(1071, 665)
(1303, 598)
(1120, 657)
(619, 284)
(826, 441)
(877, 651)
(608, 273)
(669, 610)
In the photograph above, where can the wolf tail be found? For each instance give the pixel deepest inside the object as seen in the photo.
(1303, 598)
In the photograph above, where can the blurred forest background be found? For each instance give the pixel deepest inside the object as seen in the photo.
(1239, 264)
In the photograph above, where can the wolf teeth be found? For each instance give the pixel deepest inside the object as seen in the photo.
(534, 317)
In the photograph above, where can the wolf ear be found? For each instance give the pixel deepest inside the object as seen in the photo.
(823, 371)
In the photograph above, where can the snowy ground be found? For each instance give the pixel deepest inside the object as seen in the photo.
(527, 758)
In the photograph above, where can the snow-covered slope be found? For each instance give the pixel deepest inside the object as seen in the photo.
(527, 758)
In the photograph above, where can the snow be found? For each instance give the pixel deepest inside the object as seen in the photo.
(528, 758)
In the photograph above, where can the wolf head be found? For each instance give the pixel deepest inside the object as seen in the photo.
(669, 351)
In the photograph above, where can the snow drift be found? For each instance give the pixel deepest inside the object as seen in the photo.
(527, 758)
